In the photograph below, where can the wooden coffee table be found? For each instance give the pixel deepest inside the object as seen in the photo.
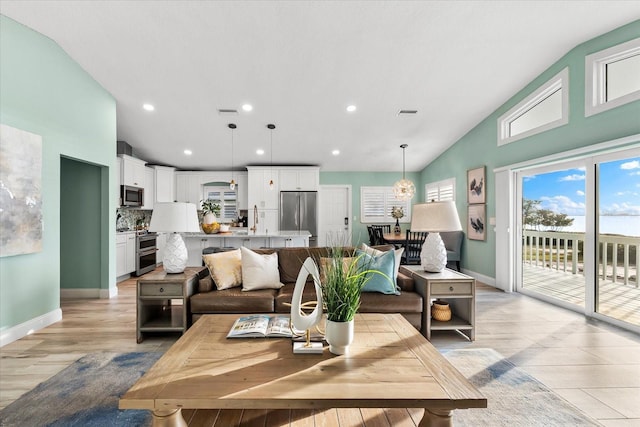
(390, 365)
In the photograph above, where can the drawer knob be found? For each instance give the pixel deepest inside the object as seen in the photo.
(161, 289)
(451, 288)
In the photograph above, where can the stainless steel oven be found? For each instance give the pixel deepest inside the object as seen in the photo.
(145, 252)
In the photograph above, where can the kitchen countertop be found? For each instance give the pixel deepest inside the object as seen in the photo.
(250, 234)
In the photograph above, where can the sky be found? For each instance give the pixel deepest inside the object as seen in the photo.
(564, 191)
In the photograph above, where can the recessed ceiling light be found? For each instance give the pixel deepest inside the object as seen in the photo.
(247, 107)
(148, 107)
(259, 151)
(335, 152)
(188, 152)
(351, 108)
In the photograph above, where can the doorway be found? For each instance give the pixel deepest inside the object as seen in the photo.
(334, 226)
(81, 234)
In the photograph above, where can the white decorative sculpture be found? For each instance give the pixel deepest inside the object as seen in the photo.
(301, 321)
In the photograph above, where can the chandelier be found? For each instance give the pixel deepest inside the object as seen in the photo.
(404, 189)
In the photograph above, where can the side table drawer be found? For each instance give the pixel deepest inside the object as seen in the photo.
(451, 288)
(160, 289)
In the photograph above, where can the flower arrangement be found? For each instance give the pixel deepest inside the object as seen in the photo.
(397, 212)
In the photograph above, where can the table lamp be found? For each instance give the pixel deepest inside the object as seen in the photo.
(434, 217)
(175, 218)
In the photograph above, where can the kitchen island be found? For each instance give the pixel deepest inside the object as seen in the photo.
(236, 238)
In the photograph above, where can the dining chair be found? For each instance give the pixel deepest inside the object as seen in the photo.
(378, 236)
(413, 246)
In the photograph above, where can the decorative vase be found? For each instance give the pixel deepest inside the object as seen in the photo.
(441, 311)
(209, 218)
(396, 228)
(339, 335)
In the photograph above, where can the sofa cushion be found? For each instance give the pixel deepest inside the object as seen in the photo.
(384, 264)
(375, 302)
(283, 299)
(233, 300)
(405, 283)
(290, 261)
(259, 271)
(225, 268)
(206, 284)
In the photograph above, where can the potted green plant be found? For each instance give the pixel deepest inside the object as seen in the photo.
(342, 283)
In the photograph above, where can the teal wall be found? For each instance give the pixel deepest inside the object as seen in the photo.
(43, 91)
(479, 146)
(368, 179)
(80, 220)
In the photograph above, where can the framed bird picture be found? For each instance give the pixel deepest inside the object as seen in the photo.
(476, 186)
(476, 224)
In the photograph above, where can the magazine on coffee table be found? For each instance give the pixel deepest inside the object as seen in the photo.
(260, 326)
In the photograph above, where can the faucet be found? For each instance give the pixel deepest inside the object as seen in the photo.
(255, 219)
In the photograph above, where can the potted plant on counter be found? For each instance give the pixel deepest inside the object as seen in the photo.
(211, 210)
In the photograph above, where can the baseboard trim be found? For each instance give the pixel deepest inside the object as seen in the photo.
(22, 330)
(491, 281)
(93, 293)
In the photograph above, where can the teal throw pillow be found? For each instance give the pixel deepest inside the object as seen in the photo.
(385, 263)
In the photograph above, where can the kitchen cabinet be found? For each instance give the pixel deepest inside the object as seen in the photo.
(259, 192)
(131, 252)
(299, 179)
(133, 171)
(245, 241)
(289, 242)
(125, 253)
(197, 244)
(149, 187)
(164, 184)
(268, 221)
(188, 188)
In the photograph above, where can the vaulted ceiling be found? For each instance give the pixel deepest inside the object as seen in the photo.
(301, 63)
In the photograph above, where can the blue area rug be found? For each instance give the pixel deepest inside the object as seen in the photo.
(84, 394)
(514, 398)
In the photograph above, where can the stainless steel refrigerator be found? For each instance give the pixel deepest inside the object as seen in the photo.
(298, 211)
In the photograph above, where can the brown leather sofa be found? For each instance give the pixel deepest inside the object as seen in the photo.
(209, 300)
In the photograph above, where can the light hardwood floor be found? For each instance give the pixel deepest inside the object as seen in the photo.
(592, 365)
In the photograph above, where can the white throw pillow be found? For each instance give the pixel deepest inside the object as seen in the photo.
(259, 271)
(376, 252)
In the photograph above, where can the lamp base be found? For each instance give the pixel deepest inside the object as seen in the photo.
(175, 254)
(433, 256)
(312, 348)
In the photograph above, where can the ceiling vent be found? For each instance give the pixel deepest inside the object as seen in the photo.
(227, 112)
(407, 113)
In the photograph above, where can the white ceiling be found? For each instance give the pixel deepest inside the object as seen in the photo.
(300, 63)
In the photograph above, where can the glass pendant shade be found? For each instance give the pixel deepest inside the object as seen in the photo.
(271, 184)
(404, 189)
(232, 184)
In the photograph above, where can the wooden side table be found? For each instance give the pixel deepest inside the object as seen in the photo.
(163, 301)
(457, 289)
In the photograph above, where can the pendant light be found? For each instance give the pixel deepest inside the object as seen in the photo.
(232, 184)
(404, 189)
(271, 127)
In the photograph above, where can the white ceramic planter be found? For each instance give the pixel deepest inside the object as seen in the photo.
(209, 218)
(339, 335)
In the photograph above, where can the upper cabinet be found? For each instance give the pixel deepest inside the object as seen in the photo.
(133, 171)
(299, 179)
(260, 194)
(164, 184)
(149, 185)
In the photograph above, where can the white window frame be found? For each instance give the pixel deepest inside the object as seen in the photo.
(388, 200)
(559, 81)
(596, 77)
(228, 201)
(437, 187)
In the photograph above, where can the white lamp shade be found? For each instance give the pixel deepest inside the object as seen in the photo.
(435, 217)
(174, 217)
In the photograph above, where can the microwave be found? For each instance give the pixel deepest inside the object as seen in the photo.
(131, 196)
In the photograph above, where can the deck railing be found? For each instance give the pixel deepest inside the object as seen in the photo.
(563, 252)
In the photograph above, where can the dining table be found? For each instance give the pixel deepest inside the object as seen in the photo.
(397, 240)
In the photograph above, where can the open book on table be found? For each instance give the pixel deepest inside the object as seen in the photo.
(260, 326)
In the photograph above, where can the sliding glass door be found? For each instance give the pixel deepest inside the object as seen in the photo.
(618, 238)
(553, 233)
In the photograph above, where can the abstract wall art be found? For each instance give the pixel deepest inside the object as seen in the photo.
(20, 192)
